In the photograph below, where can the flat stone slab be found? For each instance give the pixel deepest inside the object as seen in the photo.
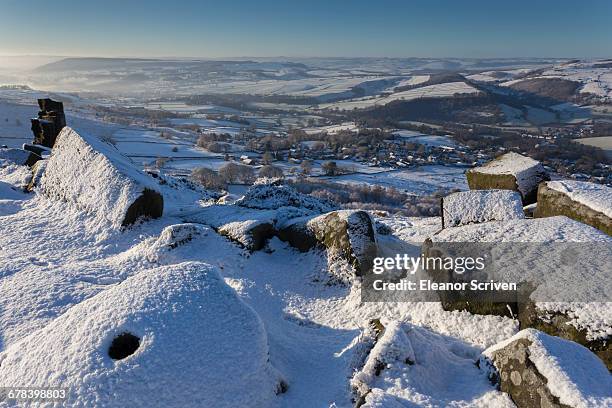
(511, 171)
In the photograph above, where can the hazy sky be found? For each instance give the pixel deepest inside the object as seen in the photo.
(461, 28)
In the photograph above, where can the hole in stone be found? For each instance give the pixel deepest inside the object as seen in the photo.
(123, 345)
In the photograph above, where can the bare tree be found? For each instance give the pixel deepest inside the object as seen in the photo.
(267, 158)
(208, 178)
(271, 172)
(233, 172)
(330, 168)
(306, 166)
(160, 162)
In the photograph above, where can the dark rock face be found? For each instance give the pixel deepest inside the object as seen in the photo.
(251, 235)
(350, 235)
(149, 205)
(511, 171)
(519, 377)
(558, 324)
(552, 202)
(51, 120)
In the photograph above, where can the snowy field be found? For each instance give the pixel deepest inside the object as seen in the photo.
(417, 180)
(427, 140)
(604, 143)
(430, 91)
(594, 77)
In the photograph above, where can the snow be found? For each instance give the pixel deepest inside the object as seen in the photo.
(573, 373)
(427, 140)
(16, 156)
(542, 230)
(413, 80)
(426, 179)
(267, 197)
(595, 196)
(94, 176)
(190, 353)
(422, 368)
(581, 293)
(429, 91)
(333, 129)
(58, 263)
(478, 206)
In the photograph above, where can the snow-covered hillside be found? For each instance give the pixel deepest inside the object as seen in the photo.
(257, 300)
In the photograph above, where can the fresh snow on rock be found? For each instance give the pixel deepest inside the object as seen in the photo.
(268, 196)
(93, 175)
(70, 283)
(573, 374)
(413, 366)
(540, 230)
(595, 196)
(523, 168)
(471, 207)
(200, 345)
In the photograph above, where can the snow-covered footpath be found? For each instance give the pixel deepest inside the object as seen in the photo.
(170, 313)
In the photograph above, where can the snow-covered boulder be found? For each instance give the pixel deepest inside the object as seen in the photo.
(271, 196)
(582, 201)
(175, 336)
(393, 347)
(538, 230)
(347, 234)
(538, 370)
(563, 264)
(588, 324)
(510, 171)
(472, 207)
(252, 234)
(411, 366)
(18, 156)
(97, 178)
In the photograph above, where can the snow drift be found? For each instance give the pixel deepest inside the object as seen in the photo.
(172, 336)
(96, 177)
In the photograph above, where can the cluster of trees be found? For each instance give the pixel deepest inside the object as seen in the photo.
(232, 173)
(371, 197)
(215, 142)
(269, 143)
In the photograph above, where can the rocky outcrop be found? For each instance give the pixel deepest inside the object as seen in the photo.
(586, 202)
(561, 323)
(537, 254)
(346, 234)
(537, 370)
(391, 347)
(272, 196)
(49, 123)
(252, 234)
(472, 207)
(19, 156)
(93, 175)
(511, 171)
